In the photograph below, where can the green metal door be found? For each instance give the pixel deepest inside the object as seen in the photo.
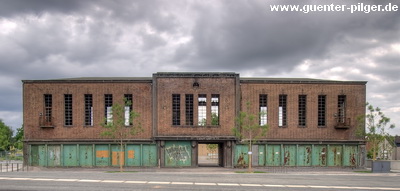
(304, 155)
(335, 155)
(86, 155)
(241, 155)
(133, 156)
(273, 154)
(178, 153)
(117, 155)
(41, 155)
(69, 155)
(350, 157)
(149, 155)
(289, 158)
(261, 155)
(102, 155)
(53, 155)
(34, 155)
(319, 155)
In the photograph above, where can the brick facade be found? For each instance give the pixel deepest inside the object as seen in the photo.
(34, 107)
(355, 95)
(161, 101)
(223, 86)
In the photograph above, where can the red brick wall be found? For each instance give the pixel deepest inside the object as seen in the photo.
(225, 87)
(355, 96)
(33, 96)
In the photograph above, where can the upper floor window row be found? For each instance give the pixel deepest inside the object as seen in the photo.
(202, 109)
(302, 110)
(88, 105)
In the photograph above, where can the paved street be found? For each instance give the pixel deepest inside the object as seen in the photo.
(198, 179)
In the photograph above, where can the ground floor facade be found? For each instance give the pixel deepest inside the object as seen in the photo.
(195, 153)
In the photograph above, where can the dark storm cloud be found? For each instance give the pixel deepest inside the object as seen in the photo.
(58, 38)
(10, 8)
(241, 35)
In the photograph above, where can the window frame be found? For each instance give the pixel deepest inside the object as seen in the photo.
(263, 109)
(48, 107)
(341, 111)
(282, 111)
(321, 114)
(189, 109)
(108, 103)
(128, 108)
(176, 109)
(202, 110)
(89, 118)
(215, 99)
(302, 111)
(68, 110)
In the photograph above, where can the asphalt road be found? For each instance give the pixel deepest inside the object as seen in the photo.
(196, 179)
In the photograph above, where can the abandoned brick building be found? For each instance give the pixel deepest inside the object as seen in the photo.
(311, 122)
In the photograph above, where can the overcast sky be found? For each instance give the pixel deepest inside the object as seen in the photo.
(46, 39)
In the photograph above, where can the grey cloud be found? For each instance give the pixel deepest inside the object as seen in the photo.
(243, 36)
(37, 7)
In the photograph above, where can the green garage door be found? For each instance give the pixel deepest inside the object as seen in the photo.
(70, 155)
(53, 155)
(335, 155)
(149, 155)
(289, 158)
(102, 155)
(133, 157)
(86, 155)
(241, 155)
(304, 155)
(350, 157)
(273, 155)
(319, 155)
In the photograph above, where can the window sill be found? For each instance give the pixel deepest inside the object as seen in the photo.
(283, 126)
(302, 126)
(321, 126)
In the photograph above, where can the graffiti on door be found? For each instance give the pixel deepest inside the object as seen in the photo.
(178, 153)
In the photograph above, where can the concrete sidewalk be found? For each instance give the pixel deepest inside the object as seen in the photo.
(221, 170)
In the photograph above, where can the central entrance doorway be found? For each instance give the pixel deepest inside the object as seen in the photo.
(210, 155)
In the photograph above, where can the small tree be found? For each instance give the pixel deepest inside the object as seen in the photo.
(373, 127)
(212, 148)
(18, 138)
(5, 136)
(120, 124)
(249, 130)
